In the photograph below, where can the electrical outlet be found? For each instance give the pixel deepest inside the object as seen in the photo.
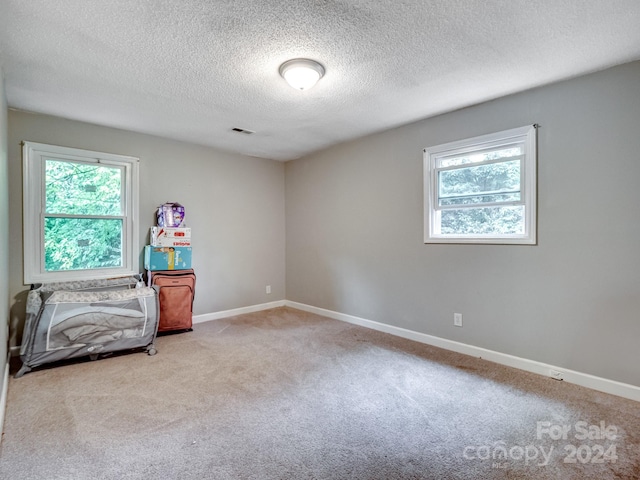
(556, 375)
(268, 289)
(457, 319)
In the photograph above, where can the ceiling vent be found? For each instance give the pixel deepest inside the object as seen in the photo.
(242, 130)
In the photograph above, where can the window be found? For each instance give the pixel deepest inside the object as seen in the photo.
(482, 190)
(80, 214)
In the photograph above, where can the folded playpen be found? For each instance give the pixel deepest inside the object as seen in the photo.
(75, 319)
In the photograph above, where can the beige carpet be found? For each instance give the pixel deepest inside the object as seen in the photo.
(284, 394)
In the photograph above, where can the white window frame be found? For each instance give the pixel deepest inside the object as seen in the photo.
(34, 156)
(528, 185)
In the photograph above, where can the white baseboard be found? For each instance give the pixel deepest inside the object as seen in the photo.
(237, 311)
(3, 396)
(583, 379)
(613, 387)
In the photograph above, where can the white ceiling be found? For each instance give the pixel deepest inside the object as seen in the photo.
(194, 69)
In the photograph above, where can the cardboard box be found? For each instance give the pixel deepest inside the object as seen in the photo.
(172, 242)
(170, 237)
(167, 258)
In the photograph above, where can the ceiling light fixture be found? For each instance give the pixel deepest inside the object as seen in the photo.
(301, 73)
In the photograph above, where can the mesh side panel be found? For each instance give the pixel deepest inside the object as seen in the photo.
(76, 324)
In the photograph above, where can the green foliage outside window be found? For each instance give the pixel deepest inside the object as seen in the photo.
(81, 203)
(482, 184)
(480, 221)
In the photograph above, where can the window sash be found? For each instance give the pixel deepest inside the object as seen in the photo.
(437, 205)
(91, 162)
(476, 235)
(476, 150)
(83, 251)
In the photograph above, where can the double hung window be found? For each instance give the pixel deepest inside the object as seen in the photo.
(80, 214)
(482, 190)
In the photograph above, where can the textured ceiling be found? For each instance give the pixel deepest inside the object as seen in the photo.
(194, 69)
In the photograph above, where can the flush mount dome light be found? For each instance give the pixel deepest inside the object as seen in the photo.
(301, 73)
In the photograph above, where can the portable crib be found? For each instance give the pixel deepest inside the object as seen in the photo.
(74, 319)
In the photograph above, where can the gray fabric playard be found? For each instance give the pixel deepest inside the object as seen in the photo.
(88, 318)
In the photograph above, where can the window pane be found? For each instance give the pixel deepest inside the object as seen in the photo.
(82, 243)
(484, 221)
(485, 179)
(82, 189)
(476, 157)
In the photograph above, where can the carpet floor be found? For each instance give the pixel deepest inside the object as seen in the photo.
(285, 394)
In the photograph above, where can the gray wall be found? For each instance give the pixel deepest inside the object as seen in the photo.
(4, 231)
(354, 224)
(234, 205)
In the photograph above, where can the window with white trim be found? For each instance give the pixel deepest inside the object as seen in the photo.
(80, 214)
(482, 190)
